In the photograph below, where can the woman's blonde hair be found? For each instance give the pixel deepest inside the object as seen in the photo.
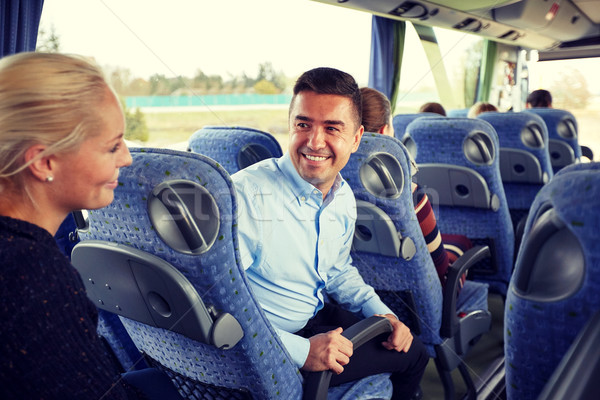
(49, 99)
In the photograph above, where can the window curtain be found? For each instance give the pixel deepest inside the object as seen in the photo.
(19, 22)
(387, 48)
(486, 73)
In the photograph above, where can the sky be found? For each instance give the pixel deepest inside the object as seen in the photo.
(232, 37)
(218, 37)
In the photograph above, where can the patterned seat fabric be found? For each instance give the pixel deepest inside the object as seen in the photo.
(389, 248)
(458, 160)
(555, 288)
(401, 121)
(205, 258)
(524, 158)
(234, 147)
(458, 113)
(563, 136)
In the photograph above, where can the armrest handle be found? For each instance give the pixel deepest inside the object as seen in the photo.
(459, 267)
(317, 383)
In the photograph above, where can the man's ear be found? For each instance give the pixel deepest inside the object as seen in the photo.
(40, 166)
(357, 137)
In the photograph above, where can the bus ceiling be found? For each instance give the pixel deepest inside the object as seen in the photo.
(557, 29)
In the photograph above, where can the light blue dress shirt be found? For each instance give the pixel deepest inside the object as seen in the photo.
(294, 246)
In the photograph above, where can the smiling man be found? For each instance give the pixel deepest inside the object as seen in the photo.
(296, 224)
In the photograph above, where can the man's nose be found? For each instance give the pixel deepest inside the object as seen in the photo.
(316, 139)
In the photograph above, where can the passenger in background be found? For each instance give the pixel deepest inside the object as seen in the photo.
(376, 112)
(296, 223)
(480, 107)
(433, 108)
(539, 98)
(376, 107)
(61, 147)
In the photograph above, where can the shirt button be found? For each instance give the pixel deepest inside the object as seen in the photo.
(302, 198)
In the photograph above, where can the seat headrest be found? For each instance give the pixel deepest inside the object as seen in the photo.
(382, 175)
(253, 153)
(185, 215)
(478, 147)
(551, 266)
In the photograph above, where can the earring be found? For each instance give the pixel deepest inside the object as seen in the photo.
(49, 178)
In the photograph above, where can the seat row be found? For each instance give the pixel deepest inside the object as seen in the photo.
(387, 241)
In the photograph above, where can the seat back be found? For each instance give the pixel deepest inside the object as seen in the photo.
(401, 121)
(556, 284)
(173, 223)
(524, 157)
(234, 147)
(458, 113)
(389, 248)
(110, 328)
(563, 136)
(458, 160)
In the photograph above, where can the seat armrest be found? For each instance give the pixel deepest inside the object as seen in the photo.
(587, 152)
(450, 293)
(316, 384)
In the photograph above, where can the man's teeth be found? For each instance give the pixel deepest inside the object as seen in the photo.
(313, 158)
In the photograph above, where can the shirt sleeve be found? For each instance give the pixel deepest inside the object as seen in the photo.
(297, 346)
(249, 229)
(346, 285)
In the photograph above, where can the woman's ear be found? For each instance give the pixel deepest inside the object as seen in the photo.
(387, 130)
(40, 166)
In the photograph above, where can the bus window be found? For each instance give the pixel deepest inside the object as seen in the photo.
(575, 87)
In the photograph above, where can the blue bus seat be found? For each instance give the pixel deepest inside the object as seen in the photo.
(401, 121)
(110, 328)
(555, 288)
(578, 167)
(563, 136)
(390, 252)
(234, 147)
(458, 161)
(578, 374)
(524, 158)
(458, 113)
(174, 277)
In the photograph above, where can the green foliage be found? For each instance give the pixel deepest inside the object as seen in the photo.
(48, 41)
(266, 87)
(135, 124)
(136, 128)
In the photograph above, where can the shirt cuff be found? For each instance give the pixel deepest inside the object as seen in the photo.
(296, 346)
(376, 306)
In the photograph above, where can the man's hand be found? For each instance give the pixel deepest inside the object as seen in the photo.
(400, 339)
(330, 351)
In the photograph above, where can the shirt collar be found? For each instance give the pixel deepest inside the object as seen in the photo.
(300, 187)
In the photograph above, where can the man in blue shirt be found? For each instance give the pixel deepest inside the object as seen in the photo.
(296, 224)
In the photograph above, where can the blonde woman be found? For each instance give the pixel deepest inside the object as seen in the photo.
(61, 148)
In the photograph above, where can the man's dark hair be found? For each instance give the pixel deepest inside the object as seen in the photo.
(433, 108)
(325, 80)
(540, 98)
